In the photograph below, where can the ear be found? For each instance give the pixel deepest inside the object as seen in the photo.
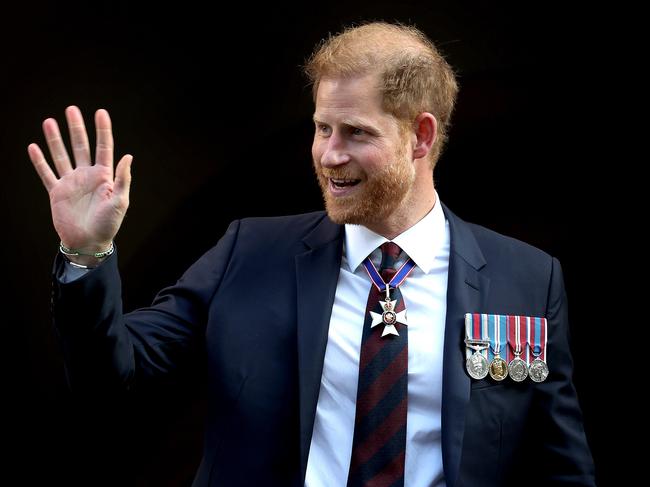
(426, 131)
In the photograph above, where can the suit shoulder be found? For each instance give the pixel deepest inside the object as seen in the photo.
(491, 239)
(505, 252)
(283, 233)
(283, 226)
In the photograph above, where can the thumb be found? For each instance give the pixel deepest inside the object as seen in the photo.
(123, 177)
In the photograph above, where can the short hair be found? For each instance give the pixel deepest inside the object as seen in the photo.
(414, 76)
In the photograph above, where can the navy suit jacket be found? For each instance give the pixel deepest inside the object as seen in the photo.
(258, 305)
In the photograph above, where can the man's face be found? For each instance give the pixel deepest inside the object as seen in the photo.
(361, 160)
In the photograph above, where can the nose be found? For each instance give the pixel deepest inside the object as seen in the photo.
(335, 152)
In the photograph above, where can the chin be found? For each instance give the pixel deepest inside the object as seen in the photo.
(343, 218)
(341, 213)
(351, 212)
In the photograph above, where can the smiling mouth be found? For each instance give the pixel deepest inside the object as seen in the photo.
(344, 183)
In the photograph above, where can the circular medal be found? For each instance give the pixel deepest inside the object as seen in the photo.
(389, 317)
(498, 369)
(477, 366)
(517, 369)
(538, 370)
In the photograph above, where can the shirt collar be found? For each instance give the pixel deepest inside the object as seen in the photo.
(422, 242)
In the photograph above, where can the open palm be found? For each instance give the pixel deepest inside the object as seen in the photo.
(88, 204)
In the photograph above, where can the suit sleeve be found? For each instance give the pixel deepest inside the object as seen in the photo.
(566, 458)
(105, 349)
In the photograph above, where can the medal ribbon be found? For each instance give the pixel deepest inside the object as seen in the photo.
(401, 274)
(476, 328)
(537, 337)
(518, 327)
(497, 325)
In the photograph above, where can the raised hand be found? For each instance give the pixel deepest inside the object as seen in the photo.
(88, 204)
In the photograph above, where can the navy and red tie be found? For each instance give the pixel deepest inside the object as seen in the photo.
(379, 443)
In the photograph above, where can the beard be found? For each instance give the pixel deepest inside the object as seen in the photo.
(380, 194)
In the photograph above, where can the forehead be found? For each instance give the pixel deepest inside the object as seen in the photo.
(350, 97)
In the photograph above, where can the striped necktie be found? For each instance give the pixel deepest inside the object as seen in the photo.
(379, 441)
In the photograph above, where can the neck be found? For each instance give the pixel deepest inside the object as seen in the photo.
(407, 215)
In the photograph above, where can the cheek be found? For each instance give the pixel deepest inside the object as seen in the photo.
(372, 159)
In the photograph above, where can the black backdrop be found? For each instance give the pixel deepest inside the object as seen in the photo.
(218, 116)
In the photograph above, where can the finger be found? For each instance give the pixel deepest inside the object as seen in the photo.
(57, 147)
(78, 136)
(123, 177)
(104, 152)
(42, 167)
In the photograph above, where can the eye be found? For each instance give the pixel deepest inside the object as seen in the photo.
(357, 131)
(323, 129)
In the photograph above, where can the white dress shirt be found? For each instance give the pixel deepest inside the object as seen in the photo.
(425, 296)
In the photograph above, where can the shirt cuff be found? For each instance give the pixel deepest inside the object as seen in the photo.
(72, 273)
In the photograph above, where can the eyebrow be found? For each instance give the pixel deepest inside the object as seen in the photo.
(349, 122)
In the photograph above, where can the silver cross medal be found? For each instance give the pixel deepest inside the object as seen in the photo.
(389, 317)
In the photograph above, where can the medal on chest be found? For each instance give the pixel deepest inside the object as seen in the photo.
(389, 317)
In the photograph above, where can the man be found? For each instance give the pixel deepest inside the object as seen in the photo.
(317, 375)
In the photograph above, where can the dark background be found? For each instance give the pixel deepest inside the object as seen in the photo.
(215, 110)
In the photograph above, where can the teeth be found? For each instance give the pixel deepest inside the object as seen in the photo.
(344, 183)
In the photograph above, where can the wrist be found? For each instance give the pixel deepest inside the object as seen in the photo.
(87, 257)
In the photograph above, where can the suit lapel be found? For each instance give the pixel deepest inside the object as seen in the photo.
(317, 271)
(466, 291)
